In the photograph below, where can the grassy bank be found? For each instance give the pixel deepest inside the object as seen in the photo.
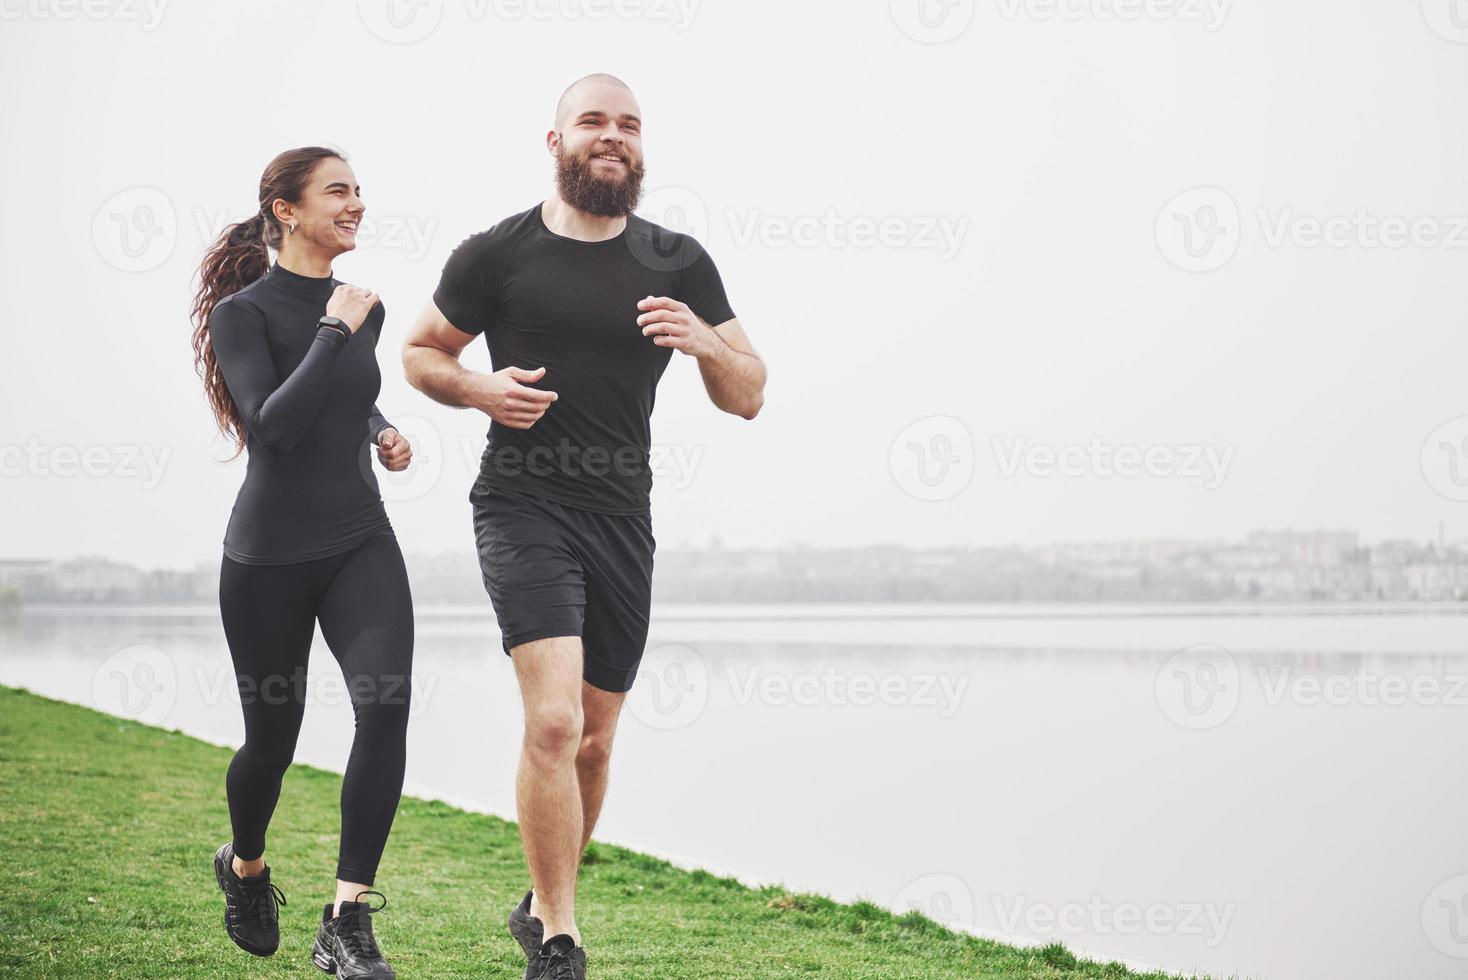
(108, 828)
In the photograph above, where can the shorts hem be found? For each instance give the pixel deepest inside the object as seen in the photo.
(544, 632)
(614, 680)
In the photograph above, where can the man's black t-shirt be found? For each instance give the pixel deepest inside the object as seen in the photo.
(544, 300)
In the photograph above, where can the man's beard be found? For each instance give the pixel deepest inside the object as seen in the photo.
(604, 197)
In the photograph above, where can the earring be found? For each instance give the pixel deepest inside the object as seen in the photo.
(293, 228)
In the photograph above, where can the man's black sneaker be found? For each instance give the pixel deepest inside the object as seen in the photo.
(527, 930)
(345, 944)
(250, 915)
(559, 959)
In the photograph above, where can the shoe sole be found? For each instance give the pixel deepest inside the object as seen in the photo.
(322, 958)
(219, 880)
(324, 961)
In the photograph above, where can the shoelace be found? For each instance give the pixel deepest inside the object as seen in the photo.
(355, 928)
(250, 899)
(558, 966)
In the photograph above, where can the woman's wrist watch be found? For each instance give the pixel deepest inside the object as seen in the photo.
(335, 323)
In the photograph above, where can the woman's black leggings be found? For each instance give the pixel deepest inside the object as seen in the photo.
(270, 613)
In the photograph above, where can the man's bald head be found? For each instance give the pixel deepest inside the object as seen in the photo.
(585, 90)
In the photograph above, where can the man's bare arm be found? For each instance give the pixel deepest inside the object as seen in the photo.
(733, 374)
(431, 364)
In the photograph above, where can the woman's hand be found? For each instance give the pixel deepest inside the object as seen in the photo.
(350, 305)
(393, 450)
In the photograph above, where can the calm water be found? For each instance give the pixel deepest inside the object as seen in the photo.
(1271, 792)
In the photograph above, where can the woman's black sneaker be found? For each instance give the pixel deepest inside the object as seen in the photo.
(345, 944)
(559, 959)
(250, 915)
(527, 930)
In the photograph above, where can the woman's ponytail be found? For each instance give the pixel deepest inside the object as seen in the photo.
(238, 257)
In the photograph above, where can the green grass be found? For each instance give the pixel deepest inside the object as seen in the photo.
(108, 830)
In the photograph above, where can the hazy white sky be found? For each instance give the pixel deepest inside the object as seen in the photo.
(959, 254)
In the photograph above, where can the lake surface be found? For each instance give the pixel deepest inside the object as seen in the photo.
(1267, 791)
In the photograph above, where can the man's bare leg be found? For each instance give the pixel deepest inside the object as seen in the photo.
(547, 795)
(600, 712)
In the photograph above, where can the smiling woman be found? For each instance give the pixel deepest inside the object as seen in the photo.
(288, 358)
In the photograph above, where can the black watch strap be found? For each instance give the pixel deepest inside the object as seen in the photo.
(336, 324)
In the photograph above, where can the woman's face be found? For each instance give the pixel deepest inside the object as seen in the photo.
(329, 211)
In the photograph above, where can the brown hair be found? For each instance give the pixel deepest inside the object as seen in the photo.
(238, 257)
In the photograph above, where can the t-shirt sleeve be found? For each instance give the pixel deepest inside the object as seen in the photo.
(702, 288)
(463, 295)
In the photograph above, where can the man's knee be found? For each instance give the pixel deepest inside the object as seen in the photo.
(554, 727)
(595, 751)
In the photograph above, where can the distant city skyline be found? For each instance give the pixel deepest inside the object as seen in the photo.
(1265, 565)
